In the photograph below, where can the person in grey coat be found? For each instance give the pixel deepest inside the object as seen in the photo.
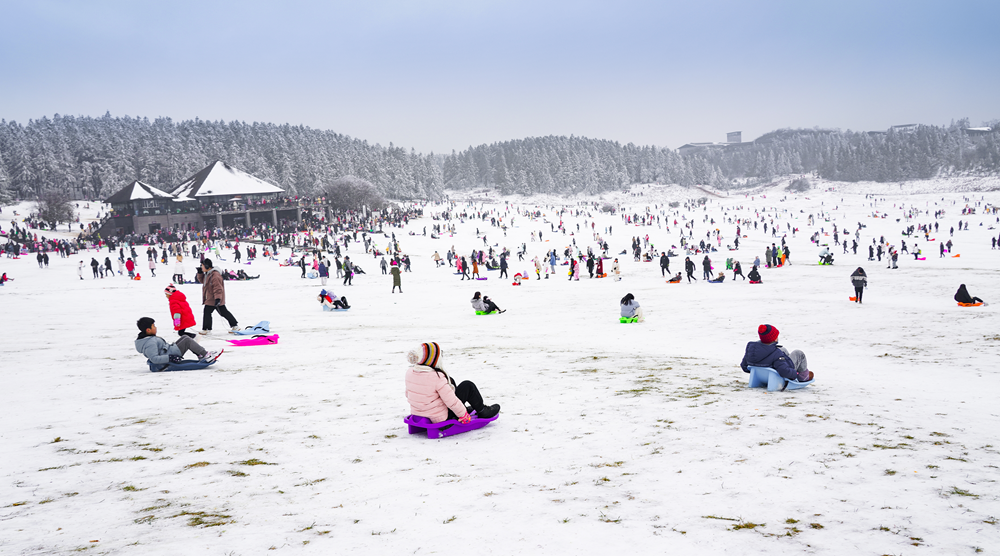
(160, 353)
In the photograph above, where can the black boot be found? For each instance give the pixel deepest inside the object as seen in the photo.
(488, 411)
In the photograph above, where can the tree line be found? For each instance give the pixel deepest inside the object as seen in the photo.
(94, 157)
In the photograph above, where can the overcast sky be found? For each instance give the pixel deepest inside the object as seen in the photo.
(443, 75)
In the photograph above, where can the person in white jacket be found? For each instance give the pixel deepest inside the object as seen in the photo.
(179, 269)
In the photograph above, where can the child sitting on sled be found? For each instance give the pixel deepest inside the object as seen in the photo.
(433, 394)
(161, 354)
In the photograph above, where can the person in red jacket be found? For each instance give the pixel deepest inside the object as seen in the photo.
(180, 311)
(130, 266)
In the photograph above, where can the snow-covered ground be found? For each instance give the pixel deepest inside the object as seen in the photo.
(639, 438)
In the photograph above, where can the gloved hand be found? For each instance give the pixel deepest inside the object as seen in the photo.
(465, 419)
(218, 302)
(176, 359)
(177, 322)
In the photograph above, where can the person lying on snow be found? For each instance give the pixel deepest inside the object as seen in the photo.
(160, 353)
(675, 279)
(720, 278)
(433, 394)
(331, 301)
(767, 353)
(963, 296)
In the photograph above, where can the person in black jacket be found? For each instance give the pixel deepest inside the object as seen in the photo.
(664, 264)
(689, 268)
(767, 353)
(738, 270)
(860, 280)
(706, 265)
(963, 296)
(754, 276)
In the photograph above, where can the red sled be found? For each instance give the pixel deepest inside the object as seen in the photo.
(256, 341)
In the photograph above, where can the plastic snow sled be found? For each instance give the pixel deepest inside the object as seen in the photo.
(853, 298)
(483, 278)
(628, 320)
(417, 424)
(766, 377)
(325, 308)
(256, 341)
(485, 313)
(262, 327)
(189, 365)
(970, 304)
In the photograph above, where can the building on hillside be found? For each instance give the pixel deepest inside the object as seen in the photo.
(216, 196)
(142, 208)
(734, 137)
(231, 197)
(905, 128)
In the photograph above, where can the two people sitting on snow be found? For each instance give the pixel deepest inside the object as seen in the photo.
(767, 353)
(484, 304)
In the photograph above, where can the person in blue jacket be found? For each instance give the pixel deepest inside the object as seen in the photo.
(767, 353)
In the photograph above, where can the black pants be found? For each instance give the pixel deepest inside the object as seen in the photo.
(503, 273)
(738, 273)
(207, 316)
(857, 294)
(347, 279)
(663, 271)
(690, 276)
(490, 307)
(469, 394)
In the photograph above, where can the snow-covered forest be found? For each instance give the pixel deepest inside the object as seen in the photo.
(93, 157)
(580, 165)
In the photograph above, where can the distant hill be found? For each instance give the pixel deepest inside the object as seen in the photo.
(93, 157)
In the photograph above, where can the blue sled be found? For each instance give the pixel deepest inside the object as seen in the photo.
(766, 377)
(262, 327)
(185, 366)
(325, 308)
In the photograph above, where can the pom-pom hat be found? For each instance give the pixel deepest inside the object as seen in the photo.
(428, 354)
(170, 289)
(768, 334)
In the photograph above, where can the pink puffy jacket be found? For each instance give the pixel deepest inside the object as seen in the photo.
(431, 394)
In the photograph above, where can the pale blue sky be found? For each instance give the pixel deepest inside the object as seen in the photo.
(443, 75)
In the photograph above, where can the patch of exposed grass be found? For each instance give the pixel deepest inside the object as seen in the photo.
(717, 517)
(890, 472)
(199, 464)
(608, 464)
(253, 461)
(205, 519)
(962, 492)
(236, 473)
(449, 520)
(57, 439)
(815, 526)
(747, 525)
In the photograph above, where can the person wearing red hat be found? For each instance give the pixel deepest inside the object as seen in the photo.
(767, 353)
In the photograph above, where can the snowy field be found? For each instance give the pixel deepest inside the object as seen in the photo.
(610, 436)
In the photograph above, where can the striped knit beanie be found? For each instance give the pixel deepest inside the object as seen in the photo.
(428, 354)
(768, 334)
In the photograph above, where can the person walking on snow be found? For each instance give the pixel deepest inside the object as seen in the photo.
(213, 297)
(860, 280)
